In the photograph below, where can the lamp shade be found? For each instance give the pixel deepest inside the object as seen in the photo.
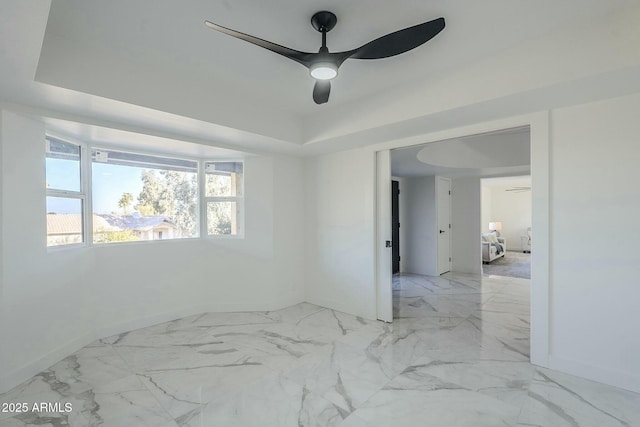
(495, 226)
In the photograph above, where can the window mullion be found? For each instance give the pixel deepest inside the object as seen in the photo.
(86, 182)
(202, 200)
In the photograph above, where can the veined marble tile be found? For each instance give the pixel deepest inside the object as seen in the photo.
(428, 322)
(45, 419)
(441, 306)
(513, 338)
(181, 389)
(473, 353)
(332, 323)
(509, 304)
(345, 376)
(354, 421)
(206, 320)
(276, 345)
(295, 313)
(507, 381)
(498, 316)
(192, 418)
(559, 400)
(413, 285)
(442, 405)
(167, 333)
(181, 350)
(275, 401)
(89, 406)
(129, 408)
(91, 369)
(88, 368)
(464, 335)
(392, 346)
(457, 356)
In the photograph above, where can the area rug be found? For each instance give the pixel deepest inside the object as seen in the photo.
(512, 264)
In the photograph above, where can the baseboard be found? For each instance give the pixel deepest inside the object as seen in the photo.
(607, 376)
(18, 376)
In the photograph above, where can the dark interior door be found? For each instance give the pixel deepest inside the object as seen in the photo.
(395, 227)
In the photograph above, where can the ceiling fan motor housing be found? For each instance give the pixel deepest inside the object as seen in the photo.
(324, 21)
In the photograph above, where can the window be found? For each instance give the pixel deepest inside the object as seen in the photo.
(142, 197)
(65, 193)
(224, 198)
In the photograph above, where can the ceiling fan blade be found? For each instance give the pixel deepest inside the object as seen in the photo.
(303, 58)
(400, 41)
(321, 91)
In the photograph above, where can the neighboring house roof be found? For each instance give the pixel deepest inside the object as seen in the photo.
(72, 223)
(137, 222)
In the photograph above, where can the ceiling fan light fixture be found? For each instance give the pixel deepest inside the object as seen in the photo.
(323, 71)
(323, 65)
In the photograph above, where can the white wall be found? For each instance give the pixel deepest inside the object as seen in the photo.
(465, 222)
(485, 208)
(421, 225)
(57, 301)
(340, 252)
(511, 208)
(595, 288)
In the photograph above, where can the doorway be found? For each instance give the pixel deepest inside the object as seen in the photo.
(443, 202)
(506, 214)
(539, 150)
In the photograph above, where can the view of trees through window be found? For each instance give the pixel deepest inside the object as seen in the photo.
(141, 197)
(137, 197)
(223, 195)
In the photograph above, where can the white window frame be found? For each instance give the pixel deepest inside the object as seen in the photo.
(204, 230)
(86, 197)
(83, 195)
(129, 150)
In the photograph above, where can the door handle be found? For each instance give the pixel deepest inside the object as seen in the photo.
(441, 231)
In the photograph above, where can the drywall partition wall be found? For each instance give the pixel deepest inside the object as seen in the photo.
(513, 209)
(485, 215)
(465, 223)
(289, 222)
(595, 292)
(340, 232)
(45, 296)
(59, 300)
(419, 203)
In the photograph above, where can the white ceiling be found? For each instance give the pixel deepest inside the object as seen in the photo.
(171, 35)
(154, 68)
(515, 144)
(509, 181)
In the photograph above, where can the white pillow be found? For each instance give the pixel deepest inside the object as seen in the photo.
(490, 237)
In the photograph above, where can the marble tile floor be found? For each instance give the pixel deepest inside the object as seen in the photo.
(456, 355)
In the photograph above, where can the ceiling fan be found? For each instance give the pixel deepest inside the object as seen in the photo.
(323, 65)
